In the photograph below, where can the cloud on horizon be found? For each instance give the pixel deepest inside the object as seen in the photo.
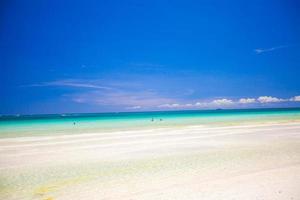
(131, 95)
(247, 100)
(124, 99)
(229, 103)
(221, 102)
(295, 98)
(269, 99)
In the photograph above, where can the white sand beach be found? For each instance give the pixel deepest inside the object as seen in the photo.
(255, 161)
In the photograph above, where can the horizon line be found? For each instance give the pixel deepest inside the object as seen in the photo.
(17, 116)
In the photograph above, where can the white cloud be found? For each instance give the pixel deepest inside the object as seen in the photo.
(131, 95)
(178, 105)
(174, 105)
(247, 100)
(149, 100)
(134, 107)
(200, 104)
(80, 85)
(222, 102)
(211, 104)
(228, 102)
(295, 98)
(260, 50)
(269, 99)
(122, 98)
(72, 83)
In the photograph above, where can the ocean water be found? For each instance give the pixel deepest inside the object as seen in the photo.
(32, 125)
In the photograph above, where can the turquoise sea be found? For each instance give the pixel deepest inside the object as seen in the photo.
(31, 125)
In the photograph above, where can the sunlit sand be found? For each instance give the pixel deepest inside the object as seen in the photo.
(253, 161)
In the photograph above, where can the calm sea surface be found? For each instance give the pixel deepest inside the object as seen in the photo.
(31, 125)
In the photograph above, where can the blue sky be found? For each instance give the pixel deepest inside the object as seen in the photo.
(102, 56)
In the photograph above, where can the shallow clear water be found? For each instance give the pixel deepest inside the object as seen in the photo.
(29, 125)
